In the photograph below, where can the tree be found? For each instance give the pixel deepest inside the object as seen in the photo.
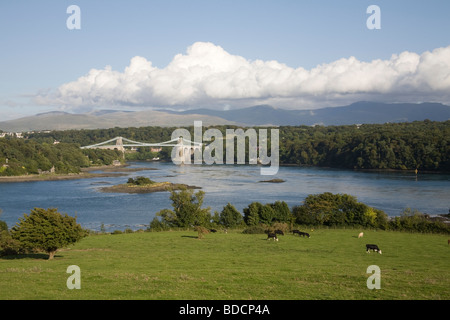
(282, 211)
(251, 214)
(187, 209)
(48, 230)
(230, 217)
(337, 210)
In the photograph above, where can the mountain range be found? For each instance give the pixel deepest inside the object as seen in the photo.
(261, 115)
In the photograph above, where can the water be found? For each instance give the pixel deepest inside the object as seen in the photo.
(240, 185)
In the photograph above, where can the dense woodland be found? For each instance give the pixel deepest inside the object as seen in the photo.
(21, 157)
(418, 145)
(422, 145)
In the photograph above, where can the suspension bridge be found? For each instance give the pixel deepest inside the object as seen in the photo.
(184, 149)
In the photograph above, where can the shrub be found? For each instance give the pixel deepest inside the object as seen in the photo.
(3, 225)
(280, 226)
(157, 225)
(415, 221)
(255, 229)
(201, 231)
(9, 246)
(140, 181)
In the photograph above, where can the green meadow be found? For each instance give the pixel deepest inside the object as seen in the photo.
(175, 265)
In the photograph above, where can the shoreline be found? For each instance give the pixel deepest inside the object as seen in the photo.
(386, 170)
(57, 177)
(113, 168)
(85, 173)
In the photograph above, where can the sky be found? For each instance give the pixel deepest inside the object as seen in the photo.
(293, 54)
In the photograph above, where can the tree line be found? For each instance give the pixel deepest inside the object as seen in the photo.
(422, 145)
(325, 209)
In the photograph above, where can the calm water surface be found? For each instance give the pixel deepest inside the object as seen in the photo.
(237, 184)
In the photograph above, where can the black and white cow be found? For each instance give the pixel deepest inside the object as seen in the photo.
(305, 234)
(272, 235)
(373, 247)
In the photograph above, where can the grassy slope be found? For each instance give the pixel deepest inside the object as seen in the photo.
(331, 264)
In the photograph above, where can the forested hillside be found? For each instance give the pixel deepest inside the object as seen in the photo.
(419, 145)
(21, 157)
(422, 145)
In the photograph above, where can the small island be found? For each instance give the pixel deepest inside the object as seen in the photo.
(273, 181)
(145, 185)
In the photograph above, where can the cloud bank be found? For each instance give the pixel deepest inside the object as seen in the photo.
(207, 75)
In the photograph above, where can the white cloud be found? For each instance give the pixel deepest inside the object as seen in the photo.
(208, 75)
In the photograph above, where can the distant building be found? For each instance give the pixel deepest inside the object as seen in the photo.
(12, 134)
(52, 170)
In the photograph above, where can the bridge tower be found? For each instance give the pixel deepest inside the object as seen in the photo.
(183, 153)
(119, 144)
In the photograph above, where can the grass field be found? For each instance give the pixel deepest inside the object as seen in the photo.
(175, 265)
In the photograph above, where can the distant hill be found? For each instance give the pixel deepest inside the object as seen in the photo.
(105, 119)
(356, 113)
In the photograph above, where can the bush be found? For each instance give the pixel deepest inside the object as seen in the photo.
(280, 226)
(157, 225)
(3, 225)
(415, 221)
(9, 246)
(201, 231)
(140, 181)
(256, 229)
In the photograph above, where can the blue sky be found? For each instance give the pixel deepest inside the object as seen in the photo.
(39, 54)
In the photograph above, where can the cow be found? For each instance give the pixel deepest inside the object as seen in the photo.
(300, 233)
(272, 235)
(373, 247)
(360, 235)
(212, 230)
(278, 231)
(304, 234)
